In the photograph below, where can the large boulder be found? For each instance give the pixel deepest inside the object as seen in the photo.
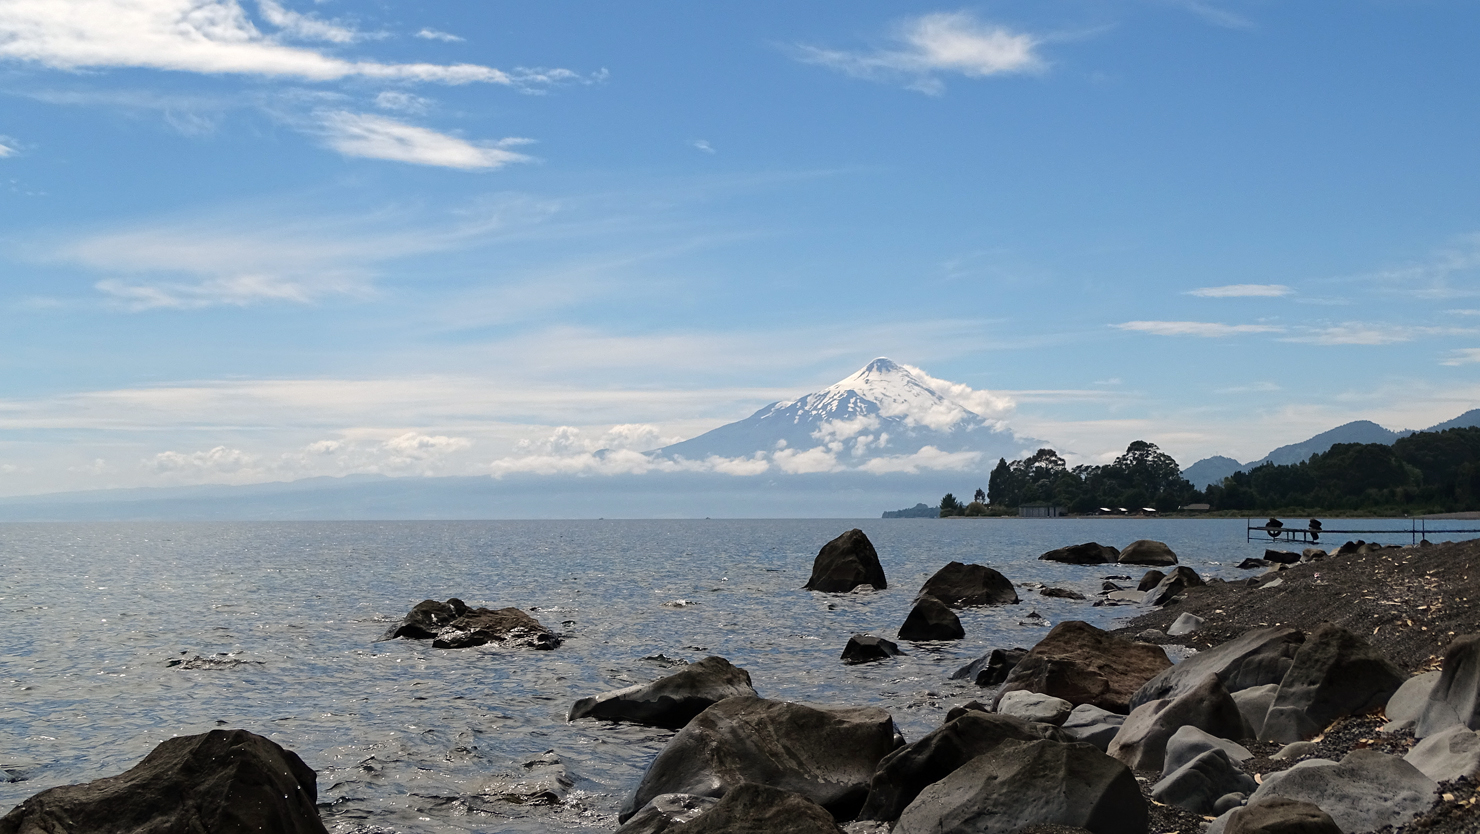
(904, 773)
(506, 627)
(866, 648)
(223, 782)
(762, 809)
(845, 563)
(1176, 581)
(1455, 698)
(1024, 783)
(959, 585)
(931, 619)
(827, 755)
(1258, 657)
(426, 619)
(1085, 665)
(672, 701)
(1147, 552)
(1365, 791)
(1278, 815)
(1035, 706)
(1409, 702)
(1189, 742)
(1150, 579)
(991, 668)
(1197, 785)
(1448, 754)
(1142, 740)
(1335, 673)
(1089, 553)
(1092, 725)
(1254, 704)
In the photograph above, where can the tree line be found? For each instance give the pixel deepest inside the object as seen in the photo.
(1423, 472)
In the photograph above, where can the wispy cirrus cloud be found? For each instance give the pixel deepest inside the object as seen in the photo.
(1203, 329)
(378, 137)
(936, 44)
(1463, 356)
(6, 147)
(1363, 333)
(1242, 291)
(1213, 14)
(435, 35)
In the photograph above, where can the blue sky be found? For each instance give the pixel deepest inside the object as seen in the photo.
(261, 240)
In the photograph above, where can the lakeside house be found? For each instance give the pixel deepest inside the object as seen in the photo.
(1041, 511)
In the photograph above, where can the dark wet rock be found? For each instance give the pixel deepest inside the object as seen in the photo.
(827, 755)
(1259, 657)
(1142, 741)
(1150, 579)
(1089, 553)
(1455, 698)
(1365, 791)
(669, 702)
(544, 780)
(224, 782)
(426, 619)
(961, 709)
(930, 619)
(1312, 554)
(506, 627)
(761, 809)
(1335, 673)
(1147, 552)
(1035, 706)
(1198, 785)
(1251, 563)
(866, 648)
(1175, 582)
(1061, 593)
(1254, 703)
(959, 585)
(1023, 783)
(903, 774)
(1185, 624)
(1409, 701)
(1278, 815)
(1284, 557)
(1448, 754)
(845, 563)
(1108, 586)
(1092, 725)
(1084, 665)
(992, 668)
(221, 660)
(665, 812)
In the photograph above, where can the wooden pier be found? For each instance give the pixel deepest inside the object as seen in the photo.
(1311, 534)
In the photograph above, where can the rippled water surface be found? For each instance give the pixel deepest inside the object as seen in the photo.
(408, 738)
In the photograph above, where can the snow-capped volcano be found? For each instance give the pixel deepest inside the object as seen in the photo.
(886, 417)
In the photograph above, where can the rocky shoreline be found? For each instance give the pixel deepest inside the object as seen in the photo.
(1329, 694)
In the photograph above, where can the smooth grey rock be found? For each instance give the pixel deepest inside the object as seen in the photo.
(1455, 698)
(1228, 801)
(1409, 701)
(1197, 785)
(1447, 754)
(1147, 552)
(991, 668)
(866, 648)
(1019, 783)
(960, 585)
(1092, 725)
(1189, 742)
(1335, 673)
(1254, 704)
(1175, 582)
(904, 773)
(1142, 740)
(671, 701)
(1125, 596)
(845, 563)
(931, 619)
(1276, 815)
(1086, 665)
(1295, 750)
(1364, 791)
(827, 755)
(1186, 623)
(1259, 657)
(1089, 553)
(1035, 706)
(755, 808)
(666, 811)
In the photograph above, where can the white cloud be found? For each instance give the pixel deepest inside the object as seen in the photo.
(378, 137)
(1463, 356)
(983, 402)
(414, 446)
(402, 101)
(214, 461)
(1243, 291)
(831, 430)
(933, 44)
(7, 147)
(1360, 333)
(566, 440)
(434, 35)
(1213, 14)
(1204, 329)
(928, 457)
(814, 460)
(302, 26)
(702, 145)
(205, 36)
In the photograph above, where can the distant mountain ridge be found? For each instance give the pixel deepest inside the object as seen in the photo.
(1214, 469)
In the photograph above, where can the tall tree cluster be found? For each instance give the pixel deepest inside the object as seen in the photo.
(1144, 476)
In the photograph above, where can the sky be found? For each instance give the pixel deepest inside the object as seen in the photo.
(272, 239)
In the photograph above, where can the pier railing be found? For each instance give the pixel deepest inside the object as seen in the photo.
(1418, 530)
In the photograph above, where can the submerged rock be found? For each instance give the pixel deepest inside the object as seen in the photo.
(1089, 553)
(959, 585)
(453, 625)
(845, 563)
(672, 701)
(866, 648)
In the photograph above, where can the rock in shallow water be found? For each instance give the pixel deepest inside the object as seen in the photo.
(992, 668)
(453, 625)
(930, 619)
(1089, 553)
(223, 782)
(845, 563)
(866, 648)
(672, 701)
(1147, 552)
(960, 585)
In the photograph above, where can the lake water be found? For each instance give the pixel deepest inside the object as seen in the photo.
(408, 738)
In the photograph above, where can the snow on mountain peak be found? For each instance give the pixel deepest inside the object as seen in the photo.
(886, 388)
